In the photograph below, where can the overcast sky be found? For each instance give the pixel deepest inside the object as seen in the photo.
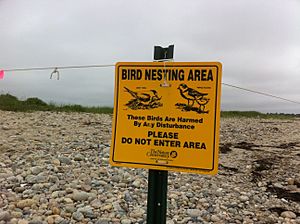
(257, 41)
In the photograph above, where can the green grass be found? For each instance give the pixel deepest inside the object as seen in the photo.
(12, 103)
(255, 114)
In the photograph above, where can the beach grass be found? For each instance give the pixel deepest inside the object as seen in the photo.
(12, 103)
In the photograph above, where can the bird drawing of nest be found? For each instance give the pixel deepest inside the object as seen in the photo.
(192, 96)
(136, 104)
(143, 100)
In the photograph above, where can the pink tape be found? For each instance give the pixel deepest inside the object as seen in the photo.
(1, 74)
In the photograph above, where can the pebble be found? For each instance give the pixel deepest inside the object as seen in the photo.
(136, 183)
(96, 203)
(126, 221)
(5, 128)
(5, 216)
(80, 196)
(291, 181)
(243, 198)
(214, 218)
(56, 162)
(117, 207)
(288, 214)
(70, 208)
(55, 211)
(79, 157)
(103, 221)
(137, 213)
(25, 203)
(36, 170)
(78, 216)
(23, 221)
(65, 160)
(87, 211)
(193, 212)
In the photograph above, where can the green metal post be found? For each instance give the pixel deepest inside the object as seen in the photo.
(158, 179)
(157, 197)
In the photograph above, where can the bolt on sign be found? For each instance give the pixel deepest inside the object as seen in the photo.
(167, 115)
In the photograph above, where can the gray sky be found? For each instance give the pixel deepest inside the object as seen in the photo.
(258, 43)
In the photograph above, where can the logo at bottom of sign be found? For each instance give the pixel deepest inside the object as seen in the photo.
(160, 156)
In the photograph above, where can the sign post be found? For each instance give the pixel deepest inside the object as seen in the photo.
(158, 179)
(166, 118)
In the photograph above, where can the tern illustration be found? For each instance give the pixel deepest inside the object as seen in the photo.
(144, 96)
(140, 99)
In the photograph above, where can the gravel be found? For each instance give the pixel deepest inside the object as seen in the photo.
(54, 169)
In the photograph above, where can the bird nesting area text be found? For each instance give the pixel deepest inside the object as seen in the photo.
(166, 116)
(168, 74)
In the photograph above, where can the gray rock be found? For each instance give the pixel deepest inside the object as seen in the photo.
(65, 160)
(12, 179)
(78, 216)
(102, 182)
(243, 198)
(127, 196)
(103, 221)
(106, 150)
(214, 218)
(170, 222)
(115, 178)
(95, 183)
(96, 203)
(87, 211)
(19, 189)
(53, 179)
(189, 194)
(70, 208)
(5, 216)
(36, 170)
(118, 208)
(36, 222)
(137, 213)
(37, 187)
(79, 157)
(30, 179)
(41, 178)
(61, 220)
(80, 196)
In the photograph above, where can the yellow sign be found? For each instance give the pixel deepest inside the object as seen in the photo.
(166, 116)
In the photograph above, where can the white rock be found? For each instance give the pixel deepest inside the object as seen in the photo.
(244, 198)
(126, 221)
(193, 212)
(288, 214)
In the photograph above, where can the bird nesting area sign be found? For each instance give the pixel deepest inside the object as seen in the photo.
(166, 116)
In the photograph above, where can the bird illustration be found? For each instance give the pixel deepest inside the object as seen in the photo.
(193, 96)
(145, 98)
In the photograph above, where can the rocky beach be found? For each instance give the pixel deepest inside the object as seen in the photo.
(54, 168)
